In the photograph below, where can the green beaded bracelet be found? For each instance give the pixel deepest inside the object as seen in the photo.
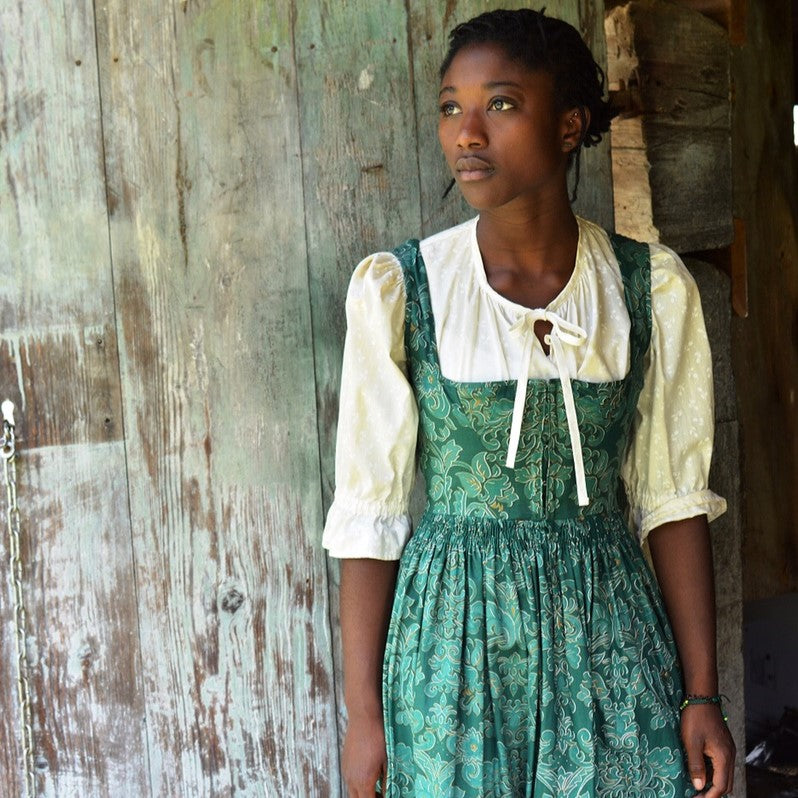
(705, 699)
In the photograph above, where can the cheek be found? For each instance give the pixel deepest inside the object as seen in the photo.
(445, 142)
(443, 134)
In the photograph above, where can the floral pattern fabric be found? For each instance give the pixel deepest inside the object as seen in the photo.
(528, 652)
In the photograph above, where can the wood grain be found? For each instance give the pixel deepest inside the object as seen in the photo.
(359, 162)
(360, 181)
(65, 381)
(208, 237)
(84, 636)
(58, 362)
(729, 13)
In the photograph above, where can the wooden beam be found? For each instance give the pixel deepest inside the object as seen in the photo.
(729, 13)
(732, 260)
(671, 148)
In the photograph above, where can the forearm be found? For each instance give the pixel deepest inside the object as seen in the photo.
(367, 590)
(682, 556)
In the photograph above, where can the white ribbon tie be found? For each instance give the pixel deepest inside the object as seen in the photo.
(562, 332)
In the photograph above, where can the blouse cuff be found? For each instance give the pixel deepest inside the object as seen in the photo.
(702, 502)
(352, 534)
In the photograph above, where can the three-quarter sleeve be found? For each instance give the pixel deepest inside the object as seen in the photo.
(377, 421)
(667, 467)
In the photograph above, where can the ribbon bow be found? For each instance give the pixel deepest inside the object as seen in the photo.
(562, 332)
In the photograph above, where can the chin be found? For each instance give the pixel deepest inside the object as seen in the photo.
(479, 197)
(483, 203)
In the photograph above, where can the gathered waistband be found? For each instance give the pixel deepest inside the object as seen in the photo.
(454, 530)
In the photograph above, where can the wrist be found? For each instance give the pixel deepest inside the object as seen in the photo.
(363, 706)
(707, 686)
(693, 701)
(701, 680)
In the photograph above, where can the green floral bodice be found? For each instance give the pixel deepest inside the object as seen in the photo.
(464, 427)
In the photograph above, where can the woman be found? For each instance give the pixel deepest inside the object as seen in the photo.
(557, 379)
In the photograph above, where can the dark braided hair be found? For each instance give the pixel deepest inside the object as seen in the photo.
(547, 43)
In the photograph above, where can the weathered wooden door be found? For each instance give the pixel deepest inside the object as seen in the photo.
(185, 188)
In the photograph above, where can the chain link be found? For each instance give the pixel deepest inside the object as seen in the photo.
(8, 454)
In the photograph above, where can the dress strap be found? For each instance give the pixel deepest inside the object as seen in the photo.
(634, 261)
(419, 322)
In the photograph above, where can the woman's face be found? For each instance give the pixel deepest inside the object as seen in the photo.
(503, 140)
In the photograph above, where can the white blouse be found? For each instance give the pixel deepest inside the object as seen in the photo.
(481, 337)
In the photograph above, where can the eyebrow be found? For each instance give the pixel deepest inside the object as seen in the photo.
(498, 83)
(494, 84)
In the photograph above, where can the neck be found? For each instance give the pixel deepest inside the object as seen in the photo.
(530, 240)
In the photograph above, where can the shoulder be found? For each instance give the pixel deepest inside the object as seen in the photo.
(613, 259)
(377, 266)
(606, 246)
(377, 277)
(670, 278)
(620, 251)
(592, 232)
(668, 272)
(382, 272)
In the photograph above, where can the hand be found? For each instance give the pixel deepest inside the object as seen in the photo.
(705, 734)
(365, 760)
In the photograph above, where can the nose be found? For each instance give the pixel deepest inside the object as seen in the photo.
(472, 134)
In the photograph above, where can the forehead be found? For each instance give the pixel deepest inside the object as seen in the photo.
(486, 64)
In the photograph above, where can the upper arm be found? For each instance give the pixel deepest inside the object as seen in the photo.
(377, 421)
(667, 467)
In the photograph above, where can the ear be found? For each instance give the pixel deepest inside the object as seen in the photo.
(574, 128)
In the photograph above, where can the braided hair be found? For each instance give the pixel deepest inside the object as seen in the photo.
(550, 44)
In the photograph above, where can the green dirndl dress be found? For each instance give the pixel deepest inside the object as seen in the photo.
(528, 652)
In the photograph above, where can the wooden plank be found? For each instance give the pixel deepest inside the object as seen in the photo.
(83, 635)
(64, 378)
(731, 14)
(203, 163)
(429, 33)
(11, 734)
(87, 700)
(763, 344)
(359, 160)
(360, 181)
(671, 147)
(58, 362)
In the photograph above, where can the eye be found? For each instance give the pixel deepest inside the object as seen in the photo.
(500, 104)
(449, 109)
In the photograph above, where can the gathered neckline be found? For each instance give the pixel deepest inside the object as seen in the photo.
(482, 278)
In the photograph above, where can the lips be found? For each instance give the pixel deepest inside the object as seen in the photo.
(472, 167)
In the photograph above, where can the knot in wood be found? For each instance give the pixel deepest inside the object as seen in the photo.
(232, 600)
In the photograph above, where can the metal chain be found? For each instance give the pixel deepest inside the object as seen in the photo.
(8, 454)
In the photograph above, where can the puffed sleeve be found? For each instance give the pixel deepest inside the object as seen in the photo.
(377, 421)
(667, 467)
